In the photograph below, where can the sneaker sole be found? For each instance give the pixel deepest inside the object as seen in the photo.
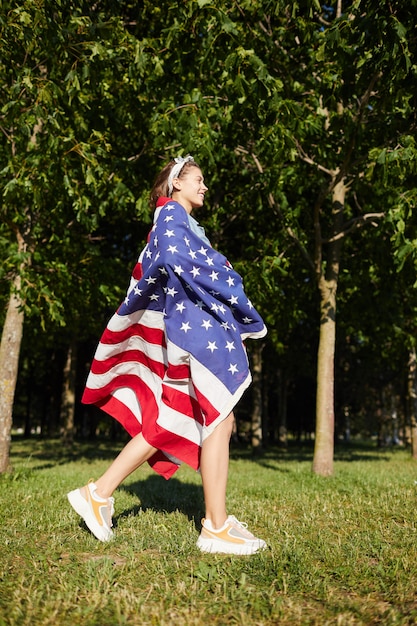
(215, 546)
(80, 506)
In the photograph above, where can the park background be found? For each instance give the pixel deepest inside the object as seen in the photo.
(303, 118)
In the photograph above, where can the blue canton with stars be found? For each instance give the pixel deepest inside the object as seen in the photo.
(205, 308)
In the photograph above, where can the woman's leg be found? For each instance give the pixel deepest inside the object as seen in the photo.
(214, 467)
(133, 455)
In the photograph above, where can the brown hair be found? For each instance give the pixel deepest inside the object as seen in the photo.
(160, 186)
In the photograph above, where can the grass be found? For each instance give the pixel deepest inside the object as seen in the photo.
(342, 550)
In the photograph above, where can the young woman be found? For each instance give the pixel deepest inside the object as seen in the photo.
(171, 364)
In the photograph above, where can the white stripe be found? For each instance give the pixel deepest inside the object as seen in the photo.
(128, 397)
(169, 419)
(150, 350)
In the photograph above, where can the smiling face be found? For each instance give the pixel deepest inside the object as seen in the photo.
(189, 189)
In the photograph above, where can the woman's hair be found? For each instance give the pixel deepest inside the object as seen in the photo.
(160, 186)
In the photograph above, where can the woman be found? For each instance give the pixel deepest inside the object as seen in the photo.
(171, 364)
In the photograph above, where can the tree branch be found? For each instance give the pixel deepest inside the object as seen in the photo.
(355, 222)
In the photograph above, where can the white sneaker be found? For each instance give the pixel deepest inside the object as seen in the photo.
(95, 511)
(232, 538)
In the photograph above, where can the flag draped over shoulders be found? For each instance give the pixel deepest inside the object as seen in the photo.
(171, 362)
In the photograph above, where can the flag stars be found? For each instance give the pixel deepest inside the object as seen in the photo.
(185, 326)
(209, 261)
(195, 271)
(151, 280)
(170, 291)
(169, 233)
(180, 306)
(168, 218)
(172, 249)
(154, 297)
(192, 254)
(178, 270)
(207, 324)
(155, 241)
(225, 325)
(247, 320)
(212, 346)
(230, 345)
(233, 300)
(137, 291)
(230, 281)
(187, 241)
(214, 276)
(233, 368)
(203, 251)
(148, 253)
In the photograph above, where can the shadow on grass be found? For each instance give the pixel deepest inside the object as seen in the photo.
(157, 494)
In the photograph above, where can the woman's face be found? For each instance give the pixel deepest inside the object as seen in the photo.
(189, 190)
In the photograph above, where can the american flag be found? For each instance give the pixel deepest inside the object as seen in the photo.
(171, 363)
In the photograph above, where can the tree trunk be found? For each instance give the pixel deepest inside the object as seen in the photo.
(68, 395)
(256, 418)
(327, 284)
(412, 399)
(11, 340)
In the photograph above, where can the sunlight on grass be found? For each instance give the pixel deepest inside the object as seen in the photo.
(341, 550)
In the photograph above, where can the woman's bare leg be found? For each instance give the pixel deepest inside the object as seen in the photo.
(133, 455)
(214, 467)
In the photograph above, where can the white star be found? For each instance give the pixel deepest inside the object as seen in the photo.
(225, 325)
(199, 304)
(230, 281)
(233, 368)
(247, 320)
(172, 249)
(226, 267)
(192, 254)
(148, 253)
(195, 271)
(214, 276)
(185, 326)
(169, 218)
(203, 251)
(230, 345)
(138, 292)
(221, 309)
(154, 296)
(171, 291)
(169, 233)
(207, 324)
(250, 305)
(151, 280)
(155, 241)
(233, 300)
(214, 307)
(209, 261)
(180, 307)
(178, 269)
(126, 301)
(169, 207)
(212, 346)
(158, 254)
(187, 241)
(163, 271)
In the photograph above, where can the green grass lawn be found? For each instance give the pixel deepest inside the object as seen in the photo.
(342, 550)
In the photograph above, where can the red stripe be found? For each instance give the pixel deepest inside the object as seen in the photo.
(149, 334)
(182, 403)
(135, 356)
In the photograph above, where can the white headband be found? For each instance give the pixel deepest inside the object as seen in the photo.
(176, 170)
